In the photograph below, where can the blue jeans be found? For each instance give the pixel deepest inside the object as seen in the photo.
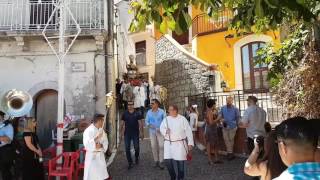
(128, 138)
(170, 163)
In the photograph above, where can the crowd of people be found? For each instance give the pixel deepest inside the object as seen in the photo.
(289, 151)
(138, 91)
(25, 153)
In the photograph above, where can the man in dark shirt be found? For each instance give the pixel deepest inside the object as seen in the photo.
(131, 128)
(118, 91)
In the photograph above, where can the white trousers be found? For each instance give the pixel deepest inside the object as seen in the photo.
(157, 146)
(228, 136)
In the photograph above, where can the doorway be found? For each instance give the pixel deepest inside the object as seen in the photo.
(46, 108)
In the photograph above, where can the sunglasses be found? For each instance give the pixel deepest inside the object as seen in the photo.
(130, 104)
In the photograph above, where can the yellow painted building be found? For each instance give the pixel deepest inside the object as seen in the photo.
(214, 43)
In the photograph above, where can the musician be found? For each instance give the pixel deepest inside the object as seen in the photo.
(6, 150)
(95, 142)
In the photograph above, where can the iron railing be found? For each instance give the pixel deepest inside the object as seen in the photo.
(266, 101)
(202, 24)
(33, 15)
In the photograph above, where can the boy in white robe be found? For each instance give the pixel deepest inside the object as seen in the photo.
(95, 142)
(178, 142)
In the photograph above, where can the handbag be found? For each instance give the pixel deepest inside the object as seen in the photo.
(189, 154)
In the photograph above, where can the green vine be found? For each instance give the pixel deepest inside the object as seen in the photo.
(285, 58)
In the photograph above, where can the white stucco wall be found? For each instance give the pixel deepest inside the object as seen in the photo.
(150, 52)
(127, 40)
(37, 69)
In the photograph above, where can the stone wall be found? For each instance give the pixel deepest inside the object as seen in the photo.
(180, 72)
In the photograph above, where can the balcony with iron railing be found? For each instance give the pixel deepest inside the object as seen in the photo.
(202, 24)
(32, 16)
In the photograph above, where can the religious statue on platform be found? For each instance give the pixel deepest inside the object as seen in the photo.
(131, 68)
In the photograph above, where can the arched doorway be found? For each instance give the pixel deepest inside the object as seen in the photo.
(46, 107)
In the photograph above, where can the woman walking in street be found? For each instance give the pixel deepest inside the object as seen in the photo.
(178, 142)
(194, 120)
(211, 133)
(31, 152)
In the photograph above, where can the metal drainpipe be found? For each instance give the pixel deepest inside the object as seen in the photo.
(109, 55)
(109, 45)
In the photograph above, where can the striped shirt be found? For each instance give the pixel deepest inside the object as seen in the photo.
(301, 171)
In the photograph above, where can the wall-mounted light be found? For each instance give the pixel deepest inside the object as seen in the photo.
(223, 84)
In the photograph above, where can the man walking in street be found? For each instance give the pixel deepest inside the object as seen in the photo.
(131, 128)
(139, 98)
(230, 117)
(154, 119)
(95, 141)
(253, 120)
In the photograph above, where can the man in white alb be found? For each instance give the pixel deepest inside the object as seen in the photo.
(95, 142)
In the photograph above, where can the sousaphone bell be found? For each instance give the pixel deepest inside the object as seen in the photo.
(16, 103)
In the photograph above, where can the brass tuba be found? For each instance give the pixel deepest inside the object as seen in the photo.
(16, 103)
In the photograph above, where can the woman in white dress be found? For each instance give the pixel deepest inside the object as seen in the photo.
(194, 120)
(178, 142)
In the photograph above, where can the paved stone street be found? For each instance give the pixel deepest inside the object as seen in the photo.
(197, 169)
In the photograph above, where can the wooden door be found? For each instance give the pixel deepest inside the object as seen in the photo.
(46, 115)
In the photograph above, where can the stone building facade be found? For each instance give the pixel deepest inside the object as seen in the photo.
(183, 74)
(27, 62)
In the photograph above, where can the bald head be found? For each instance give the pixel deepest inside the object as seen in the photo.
(229, 100)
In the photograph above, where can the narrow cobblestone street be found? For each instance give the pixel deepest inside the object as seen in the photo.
(197, 169)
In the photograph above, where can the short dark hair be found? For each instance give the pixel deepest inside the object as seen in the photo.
(2, 113)
(97, 117)
(211, 102)
(253, 98)
(299, 130)
(267, 127)
(156, 101)
(315, 123)
(175, 107)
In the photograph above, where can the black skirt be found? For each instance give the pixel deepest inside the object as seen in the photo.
(32, 168)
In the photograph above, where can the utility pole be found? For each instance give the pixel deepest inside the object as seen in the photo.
(61, 54)
(63, 10)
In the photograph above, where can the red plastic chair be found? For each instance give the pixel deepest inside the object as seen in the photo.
(48, 154)
(80, 165)
(69, 160)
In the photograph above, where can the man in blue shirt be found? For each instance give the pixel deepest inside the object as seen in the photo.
(131, 128)
(297, 143)
(230, 116)
(6, 158)
(154, 119)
